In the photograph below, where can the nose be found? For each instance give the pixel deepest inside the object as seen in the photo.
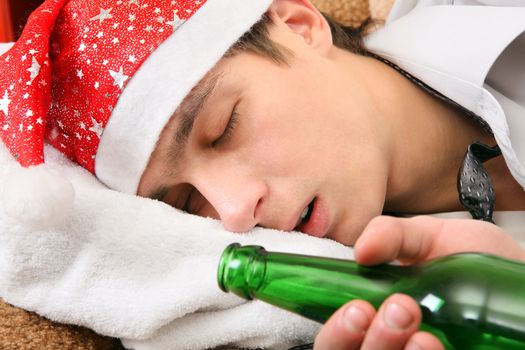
(237, 199)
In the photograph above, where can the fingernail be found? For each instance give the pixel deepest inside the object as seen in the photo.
(355, 319)
(413, 346)
(397, 316)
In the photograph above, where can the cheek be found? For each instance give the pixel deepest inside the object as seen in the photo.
(286, 142)
(299, 124)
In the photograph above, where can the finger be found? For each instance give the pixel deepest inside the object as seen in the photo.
(481, 236)
(346, 328)
(387, 238)
(396, 321)
(424, 341)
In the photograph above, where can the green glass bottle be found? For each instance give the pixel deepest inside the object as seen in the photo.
(470, 301)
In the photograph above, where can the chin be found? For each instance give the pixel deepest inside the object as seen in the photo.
(348, 232)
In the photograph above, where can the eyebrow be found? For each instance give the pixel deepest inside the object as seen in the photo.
(187, 113)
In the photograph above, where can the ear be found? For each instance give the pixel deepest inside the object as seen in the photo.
(305, 20)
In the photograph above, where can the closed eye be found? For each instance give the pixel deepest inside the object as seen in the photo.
(228, 130)
(198, 205)
(187, 203)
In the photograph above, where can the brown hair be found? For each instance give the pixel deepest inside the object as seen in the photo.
(257, 40)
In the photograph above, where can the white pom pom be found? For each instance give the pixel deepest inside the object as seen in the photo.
(37, 197)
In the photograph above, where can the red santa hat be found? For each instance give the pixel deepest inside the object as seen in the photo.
(99, 79)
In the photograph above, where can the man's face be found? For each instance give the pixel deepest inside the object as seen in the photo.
(272, 143)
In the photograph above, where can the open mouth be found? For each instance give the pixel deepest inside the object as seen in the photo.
(315, 219)
(305, 215)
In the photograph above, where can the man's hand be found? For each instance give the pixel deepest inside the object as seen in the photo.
(395, 325)
(422, 238)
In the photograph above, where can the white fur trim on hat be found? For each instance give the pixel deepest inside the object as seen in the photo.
(162, 82)
(36, 197)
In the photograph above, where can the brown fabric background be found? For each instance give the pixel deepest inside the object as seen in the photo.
(22, 330)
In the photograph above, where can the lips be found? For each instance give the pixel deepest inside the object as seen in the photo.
(316, 221)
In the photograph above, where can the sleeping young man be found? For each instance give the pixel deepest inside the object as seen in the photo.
(297, 126)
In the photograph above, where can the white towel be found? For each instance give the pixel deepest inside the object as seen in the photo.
(133, 268)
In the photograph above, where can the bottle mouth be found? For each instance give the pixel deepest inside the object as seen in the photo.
(223, 262)
(242, 269)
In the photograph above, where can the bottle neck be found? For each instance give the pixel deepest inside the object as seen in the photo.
(341, 279)
(253, 273)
